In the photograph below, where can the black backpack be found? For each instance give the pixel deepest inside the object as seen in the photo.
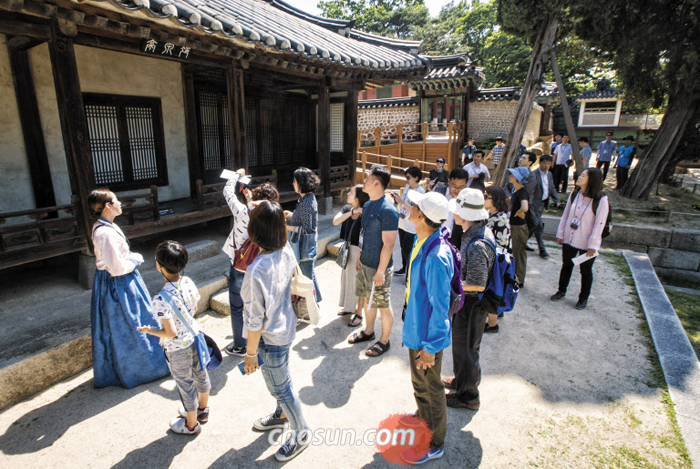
(596, 202)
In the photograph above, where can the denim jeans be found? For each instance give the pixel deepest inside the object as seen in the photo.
(188, 375)
(275, 371)
(235, 281)
(307, 268)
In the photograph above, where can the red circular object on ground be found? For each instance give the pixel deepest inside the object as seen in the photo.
(402, 438)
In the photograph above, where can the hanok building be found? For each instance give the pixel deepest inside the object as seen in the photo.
(153, 98)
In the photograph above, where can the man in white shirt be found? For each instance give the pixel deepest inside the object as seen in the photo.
(562, 155)
(475, 169)
(542, 191)
(456, 183)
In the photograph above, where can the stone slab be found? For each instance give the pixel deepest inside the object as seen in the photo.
(630, 234)
(674, 259)
(201, 250)
(86, 270)
(678, 360)
(221, 303)
(687, 291)
(39, 372)
(686, 240)
(325, 205)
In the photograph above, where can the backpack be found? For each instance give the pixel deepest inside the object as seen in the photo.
(502, 288)
(456, 290)
(596, 202)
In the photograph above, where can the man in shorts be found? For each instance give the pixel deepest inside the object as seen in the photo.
(380, 222)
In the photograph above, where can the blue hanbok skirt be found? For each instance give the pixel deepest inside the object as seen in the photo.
(121, 355)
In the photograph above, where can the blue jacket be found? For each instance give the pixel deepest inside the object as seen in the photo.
(427, 325)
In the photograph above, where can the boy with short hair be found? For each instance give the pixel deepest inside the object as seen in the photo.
(180, 292)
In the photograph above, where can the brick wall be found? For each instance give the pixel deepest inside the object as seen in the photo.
(371, 118)
(489, 119)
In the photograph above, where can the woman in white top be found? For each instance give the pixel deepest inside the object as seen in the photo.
(121, 356)
(407, 230)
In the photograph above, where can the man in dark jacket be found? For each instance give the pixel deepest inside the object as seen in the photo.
(541, 190)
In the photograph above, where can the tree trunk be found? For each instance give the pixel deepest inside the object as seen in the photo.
(689, 142)
(570, 130)
(659, 154)
(535, 77)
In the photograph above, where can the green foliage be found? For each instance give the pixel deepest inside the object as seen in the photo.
(392, 18)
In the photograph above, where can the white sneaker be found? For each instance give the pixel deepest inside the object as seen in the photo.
(202, 414)
(178, 426)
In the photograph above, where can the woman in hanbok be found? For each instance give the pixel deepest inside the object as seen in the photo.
(121, 355)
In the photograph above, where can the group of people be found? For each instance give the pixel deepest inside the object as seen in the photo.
(131, 330)
(607, 152)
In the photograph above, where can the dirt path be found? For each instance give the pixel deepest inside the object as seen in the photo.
(561, 388)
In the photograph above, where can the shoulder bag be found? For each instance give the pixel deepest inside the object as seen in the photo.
(304, 297)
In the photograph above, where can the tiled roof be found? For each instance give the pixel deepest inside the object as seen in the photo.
(403, 101)
(275, 25)
(548, 89)
(451, 66)
(507, 93)
(598, 94)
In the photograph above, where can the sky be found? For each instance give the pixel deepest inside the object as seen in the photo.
(309, 6)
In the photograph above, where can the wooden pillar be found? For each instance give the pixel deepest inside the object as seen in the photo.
(29, 118)
(324, 137)
(233, 119)
(465, 111)
(350, 131)
(193, 159)
(244, 138)
(71, 112)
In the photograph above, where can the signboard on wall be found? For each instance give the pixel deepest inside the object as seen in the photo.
(166, 48)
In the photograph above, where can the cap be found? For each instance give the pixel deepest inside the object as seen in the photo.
(433, 205)
(469, 205)
(520, 173)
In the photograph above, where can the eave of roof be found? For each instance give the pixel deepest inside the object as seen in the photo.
(279, 28)
(403, 101)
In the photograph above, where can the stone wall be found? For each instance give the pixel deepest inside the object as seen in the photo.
(372, 118)
(674, 252)
(490, 119)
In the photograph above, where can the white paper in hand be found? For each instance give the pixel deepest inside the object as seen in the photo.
(583, 258)
(371, 295)
(234, 176)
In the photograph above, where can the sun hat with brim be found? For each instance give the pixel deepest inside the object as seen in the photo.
(469, 205)
(433, 205)
(519, 174)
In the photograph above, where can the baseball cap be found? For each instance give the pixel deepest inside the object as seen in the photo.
(433, 205)
(469, 205)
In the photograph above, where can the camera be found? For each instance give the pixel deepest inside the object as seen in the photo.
(574, 224)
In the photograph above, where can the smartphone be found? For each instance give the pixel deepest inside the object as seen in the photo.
(241, 364)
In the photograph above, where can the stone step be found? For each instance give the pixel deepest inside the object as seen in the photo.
(220, 303)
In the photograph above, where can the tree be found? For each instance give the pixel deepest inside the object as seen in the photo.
(393, 18)
(655, 49)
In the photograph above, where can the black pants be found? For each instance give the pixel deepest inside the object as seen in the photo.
(605, 165)
(467, 330)
(430, 397)
(568, 252)
(406, 241)
(622, 174)
(560, 174)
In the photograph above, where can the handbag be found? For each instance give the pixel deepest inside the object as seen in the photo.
(303, 245)
(245, 255)
(208, 352)
(304, 297)
(344, 251)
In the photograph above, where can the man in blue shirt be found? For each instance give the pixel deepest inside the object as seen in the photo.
(468, 152)
(562, 155)
(555, 144)
(427, 325)
(380, 223)
(605, 152)
(624, 161)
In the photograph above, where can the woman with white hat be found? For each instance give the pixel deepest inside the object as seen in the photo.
(478, 257)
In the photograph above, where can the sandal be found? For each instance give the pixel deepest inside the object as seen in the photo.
(355, 321)
(343, 312)
(358, 337)
(377, 349)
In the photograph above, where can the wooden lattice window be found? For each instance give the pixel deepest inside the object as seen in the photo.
(126, 141)
(214, 130)
(337, 126)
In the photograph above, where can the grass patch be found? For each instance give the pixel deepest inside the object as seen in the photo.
(678, 282)
(688, 310)
(675, 442)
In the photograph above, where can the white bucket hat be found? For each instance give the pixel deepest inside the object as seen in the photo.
(433, 205)
(469, 205)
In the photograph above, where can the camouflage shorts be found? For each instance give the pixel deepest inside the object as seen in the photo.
(363, 286)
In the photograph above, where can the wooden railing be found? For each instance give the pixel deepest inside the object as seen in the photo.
(212, 195)
(140, 208)
(395, 164)
(413, 142)
(41, 238)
